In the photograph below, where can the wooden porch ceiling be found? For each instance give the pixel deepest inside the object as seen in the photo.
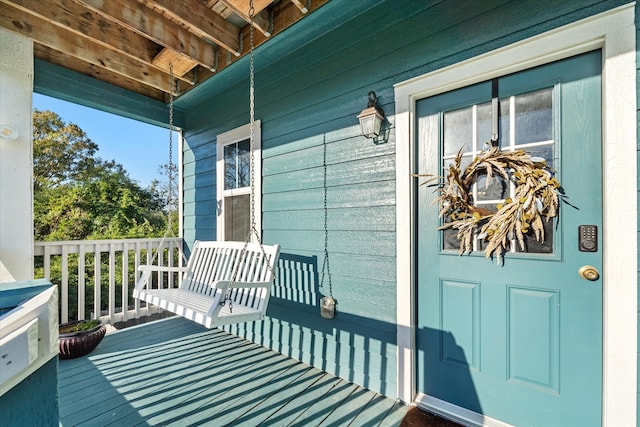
(131, 43)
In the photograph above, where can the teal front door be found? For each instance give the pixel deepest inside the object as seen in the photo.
(517, 340)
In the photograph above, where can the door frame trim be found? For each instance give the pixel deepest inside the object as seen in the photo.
(614, 32)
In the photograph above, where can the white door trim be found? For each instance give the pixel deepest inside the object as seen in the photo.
(614, 32)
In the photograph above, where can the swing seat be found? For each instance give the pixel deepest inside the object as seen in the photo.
(207, 293)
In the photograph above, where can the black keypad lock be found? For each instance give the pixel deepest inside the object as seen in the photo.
(588, 238)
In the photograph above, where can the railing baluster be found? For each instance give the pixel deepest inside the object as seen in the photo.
(81, 287)
(96, 282)
(170, 257)
(125, 282)
(160, 250)
(112, 282)
(47, 262)
(137, 264)
(64, 288)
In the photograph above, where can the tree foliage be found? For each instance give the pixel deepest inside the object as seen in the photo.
(78, 196)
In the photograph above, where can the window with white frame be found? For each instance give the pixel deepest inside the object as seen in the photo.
(234, 182)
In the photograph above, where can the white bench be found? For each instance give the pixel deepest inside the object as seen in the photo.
(207, 281)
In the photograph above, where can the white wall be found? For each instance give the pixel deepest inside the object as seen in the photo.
(16, 164)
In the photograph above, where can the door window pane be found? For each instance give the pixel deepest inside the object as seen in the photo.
(458, 131)
(534, 117)
(504, 123)
(483, 126)
(494, 188)
(523, 119)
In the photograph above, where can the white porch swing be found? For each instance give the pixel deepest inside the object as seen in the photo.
(223, 282)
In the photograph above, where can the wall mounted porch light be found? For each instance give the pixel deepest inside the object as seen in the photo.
(371, 117)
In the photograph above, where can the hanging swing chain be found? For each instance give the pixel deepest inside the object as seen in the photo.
(325, 264)
(173, 88)
(170, 172)
(252, 119)
(252, 230)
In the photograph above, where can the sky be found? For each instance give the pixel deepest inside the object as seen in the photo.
(139, 147)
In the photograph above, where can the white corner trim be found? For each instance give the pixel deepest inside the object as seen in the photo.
(613, 32)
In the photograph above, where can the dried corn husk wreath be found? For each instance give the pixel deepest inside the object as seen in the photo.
(536, 199)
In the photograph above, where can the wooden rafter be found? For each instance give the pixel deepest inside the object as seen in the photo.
(202, 21)
(81, 48)
(300, 5)
(133, 44)
(92, 26)
(261, 19)
(154, 26)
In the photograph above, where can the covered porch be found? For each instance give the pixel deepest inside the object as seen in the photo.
(175, 372)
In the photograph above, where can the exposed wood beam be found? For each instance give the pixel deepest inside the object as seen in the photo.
(261, 19)
(284, 15)
(202, 21)
(82, 22)
(300, 5)
(84, 49)
(77, 19)
(63, 60)
(173, 62)
(156, 27)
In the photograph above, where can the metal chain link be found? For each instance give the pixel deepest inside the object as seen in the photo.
(252, 139)
(170, 172)
(325, 263)
(252, 114)
(173, 89)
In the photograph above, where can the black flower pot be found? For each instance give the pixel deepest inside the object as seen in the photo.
(76, 342)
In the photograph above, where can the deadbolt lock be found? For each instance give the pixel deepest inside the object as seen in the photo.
(589, 272)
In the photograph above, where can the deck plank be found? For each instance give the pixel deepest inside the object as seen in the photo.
(394, 416)
(174, 398)
(349, 408)
(173, 388)
(373, 414)
(175, 372)
(209, 404)
(236, 402)
(265, 402)
(323, 407)
(299, 404)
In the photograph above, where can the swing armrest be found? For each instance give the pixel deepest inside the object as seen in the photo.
(223, 285)
(159, 268)
(146, 271)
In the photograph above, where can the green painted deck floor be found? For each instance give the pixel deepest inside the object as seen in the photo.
(174, 372)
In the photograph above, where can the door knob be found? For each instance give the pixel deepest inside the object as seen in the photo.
(589, 272)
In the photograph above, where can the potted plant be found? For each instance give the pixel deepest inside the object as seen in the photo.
(80, 337)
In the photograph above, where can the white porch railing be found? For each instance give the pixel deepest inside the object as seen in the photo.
(96, 277)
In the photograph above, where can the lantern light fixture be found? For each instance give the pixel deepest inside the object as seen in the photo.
(371, 118)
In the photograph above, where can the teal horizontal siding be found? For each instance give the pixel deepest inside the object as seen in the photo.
(355, 172)
(357, 195)
(375, 218)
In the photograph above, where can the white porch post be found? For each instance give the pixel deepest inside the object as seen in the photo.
(16, 160)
